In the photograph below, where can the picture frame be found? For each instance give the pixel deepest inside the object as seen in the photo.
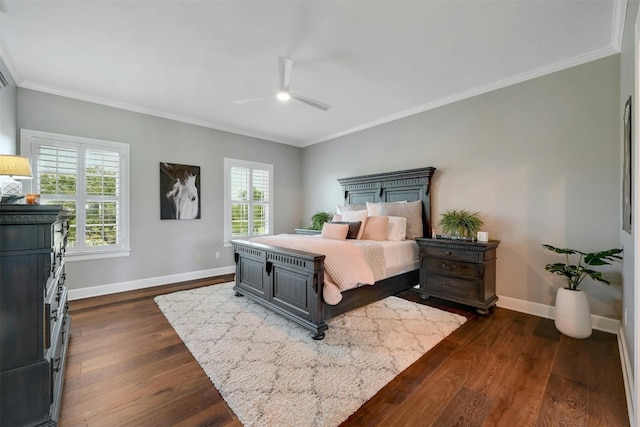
(179, 191)
(626, 168)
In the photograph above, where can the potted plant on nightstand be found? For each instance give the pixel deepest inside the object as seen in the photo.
(460, 223)
(573, 315)
(318, 219)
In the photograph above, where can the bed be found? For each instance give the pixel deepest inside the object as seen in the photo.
(291, 281)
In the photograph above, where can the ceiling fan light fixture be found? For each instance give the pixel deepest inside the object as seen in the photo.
(283, 96)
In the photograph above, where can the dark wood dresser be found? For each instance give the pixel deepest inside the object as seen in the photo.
(34, 322)
(459, 271)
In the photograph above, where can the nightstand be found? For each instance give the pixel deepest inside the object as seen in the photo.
(459, 271)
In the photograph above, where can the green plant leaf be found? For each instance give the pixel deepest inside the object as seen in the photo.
(576, 273)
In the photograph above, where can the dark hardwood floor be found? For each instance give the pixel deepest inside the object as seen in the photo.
(127, 367)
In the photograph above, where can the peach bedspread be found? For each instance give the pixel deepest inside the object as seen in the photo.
(348, 263)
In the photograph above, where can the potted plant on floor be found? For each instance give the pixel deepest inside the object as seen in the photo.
(573, 315)
(460, 223)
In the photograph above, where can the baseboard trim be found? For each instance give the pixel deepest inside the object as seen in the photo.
(627, 376)
(133, 285)
(599, 323)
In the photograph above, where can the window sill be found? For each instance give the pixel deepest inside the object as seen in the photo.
(86, 256)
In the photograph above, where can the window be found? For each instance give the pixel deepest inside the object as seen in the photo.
(248, 199)
(89, 176)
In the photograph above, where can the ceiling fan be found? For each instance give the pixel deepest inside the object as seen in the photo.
(286, 65)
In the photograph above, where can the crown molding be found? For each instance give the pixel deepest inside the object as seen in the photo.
(529, 75)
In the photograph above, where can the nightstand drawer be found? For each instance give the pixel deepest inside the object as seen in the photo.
(452, 286)
(452, 254)
(451, 267)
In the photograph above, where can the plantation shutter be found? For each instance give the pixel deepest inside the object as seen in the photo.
(249, 188)
(89, 177)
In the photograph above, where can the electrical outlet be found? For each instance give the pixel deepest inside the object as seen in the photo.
(198, 257)
(217, 255)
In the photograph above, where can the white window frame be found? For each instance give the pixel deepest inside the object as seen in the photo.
(228, 164)
(31, 140)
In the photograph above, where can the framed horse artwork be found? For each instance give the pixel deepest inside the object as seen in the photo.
(179, 191)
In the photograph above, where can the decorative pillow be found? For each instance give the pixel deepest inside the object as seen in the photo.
(397, 228)
(412, 211)
(341, 209)
(354, 228)
(336, 218)
(375, 228)
(355, 216)
(374, 208)
(334, 231)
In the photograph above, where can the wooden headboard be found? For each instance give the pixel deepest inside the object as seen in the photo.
(409, 185)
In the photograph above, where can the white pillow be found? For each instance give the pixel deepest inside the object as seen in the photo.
(397, 228)
(340, 208)
(353, 216)
(374, 208)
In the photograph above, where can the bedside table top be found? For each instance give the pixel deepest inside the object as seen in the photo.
(457, 244)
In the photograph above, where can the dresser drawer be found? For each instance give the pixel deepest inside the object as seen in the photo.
(451, 286)
(449, 267)
(452, 254)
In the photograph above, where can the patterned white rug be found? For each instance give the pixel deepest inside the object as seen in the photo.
(270, 371)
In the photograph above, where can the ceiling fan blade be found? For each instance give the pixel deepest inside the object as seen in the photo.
(317, 104)
(259, 98)
(286, 65)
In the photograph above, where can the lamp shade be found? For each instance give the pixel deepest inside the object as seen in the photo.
(17, 167)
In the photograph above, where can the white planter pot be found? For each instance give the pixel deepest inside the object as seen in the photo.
(573, 315)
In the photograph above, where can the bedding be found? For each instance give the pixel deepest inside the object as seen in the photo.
(351, 263)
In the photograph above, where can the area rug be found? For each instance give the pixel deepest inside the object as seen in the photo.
(271, 373)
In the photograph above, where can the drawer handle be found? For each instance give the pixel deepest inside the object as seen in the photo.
(57, 364)
(448, 252)
(448, 285)
(449, 267)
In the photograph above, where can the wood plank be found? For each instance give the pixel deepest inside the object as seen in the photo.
(127, 366)
(564, 403)
(607, 400)
(519, 396)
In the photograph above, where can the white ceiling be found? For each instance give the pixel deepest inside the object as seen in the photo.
(372, 61)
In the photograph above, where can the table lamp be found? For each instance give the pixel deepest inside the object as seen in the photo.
(14, 167)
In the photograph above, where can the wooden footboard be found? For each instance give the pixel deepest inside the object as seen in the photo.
(287, 281)
(290, 282)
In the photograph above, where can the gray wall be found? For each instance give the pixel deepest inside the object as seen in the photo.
(539, 160)
(8, 99)
(165, 247)
(627, 88)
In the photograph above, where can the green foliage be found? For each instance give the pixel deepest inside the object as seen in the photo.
(240, 215)
(576, 273)
(318, 219)
(101, 222)
(460, 223)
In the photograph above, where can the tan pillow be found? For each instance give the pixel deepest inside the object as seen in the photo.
(374, 208)
(375, 228)
(410, 210)
(334, 231)
(355, 216)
